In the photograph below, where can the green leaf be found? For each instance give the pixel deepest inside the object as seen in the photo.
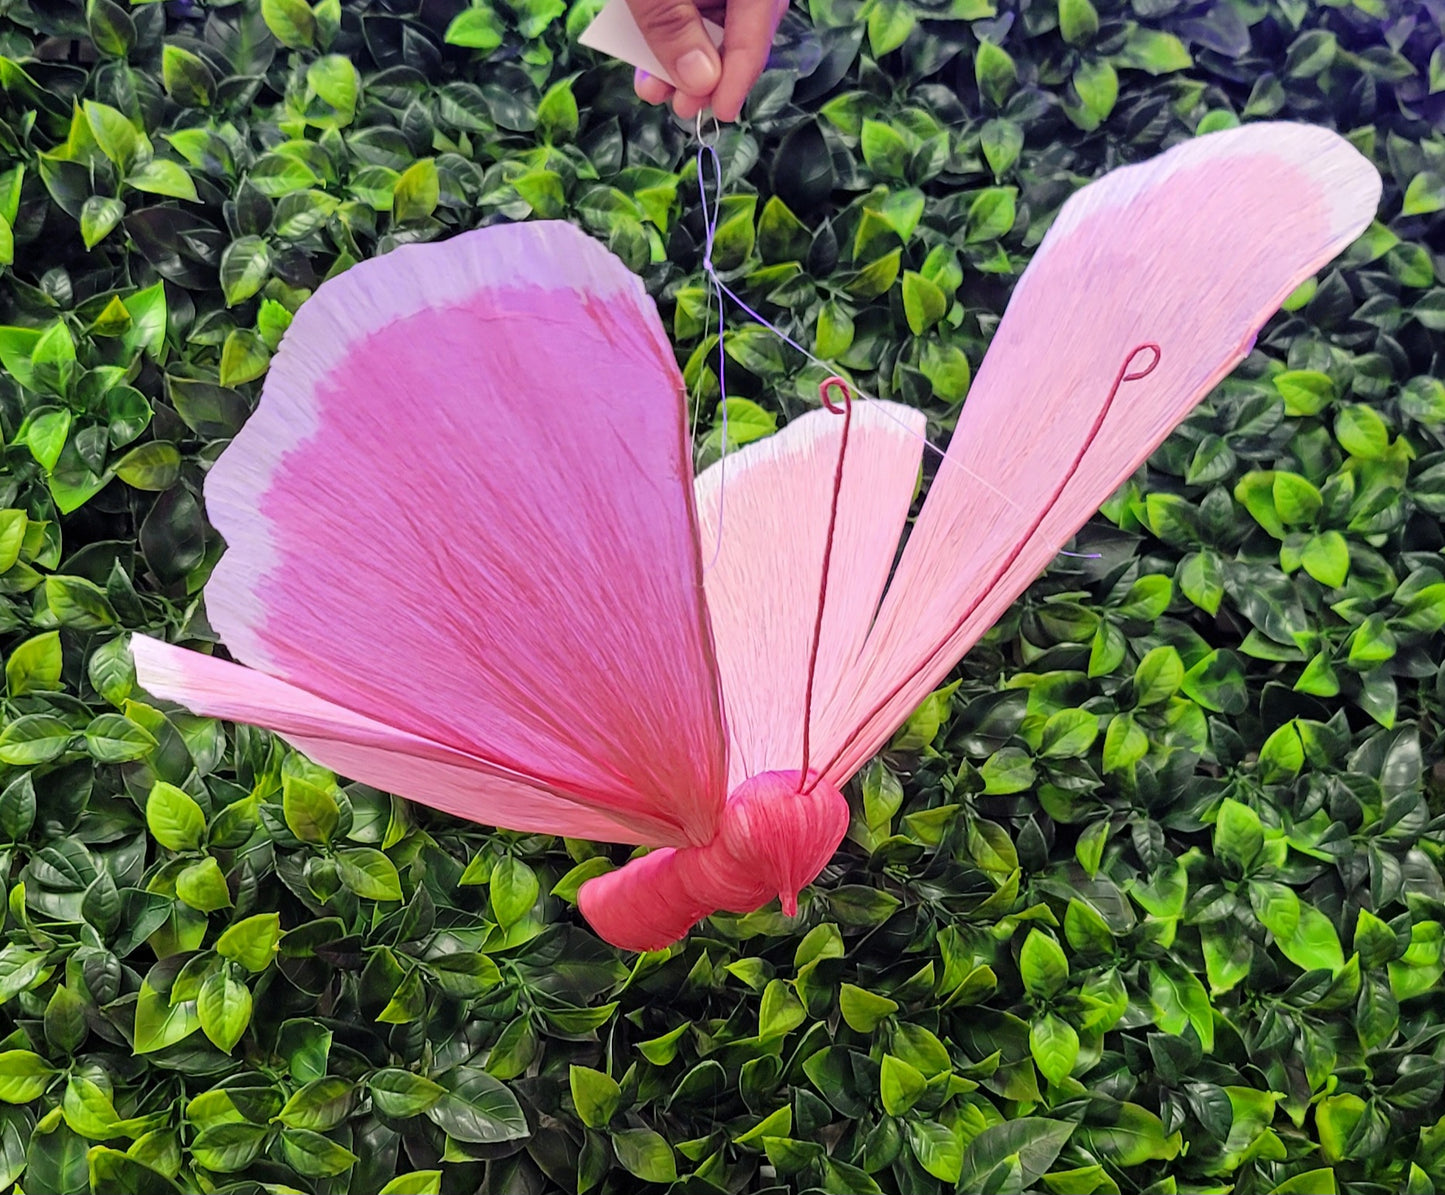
(224, 1008)
(24, 1076)
(244, 357)
(779, 1011)
(1158, 677)
(1017, 1151)
(34, 666)
(595, 1095)
(1305, 392)
(310, 810)
(514, 889)
(245, 266)
(900, 1085)
(1054, 1045)
(889, 24)
(1078, 21)
(1155, 51)
(478, 1107)
(1282, 755)
(862, 1010)
(1134, 1137)
(369, 873)
(835, 329)
(923, 724)
(1001, 142)
(321, 1104)
(34, 739)
(477, 28)
(1295, 498)
(1424, 194)
(947, 369)
(994, 72)
(188, 80)
(1362, 433)
(924, 304)
(153, 466)
(290, 21)
(1068, 734)
(1327, 559)
(1097, 86)
(416, 192)
(202, 885)
(335, 80)
(114, 738)
(401, 1094)
(111, 27)
(645, 1155)
(251, 942)
(45, 436)
(1042, 965)
(1179, 1001)
(886, 150)
(415, 1182)
(116, 137)
(312, 1154)
(174, 819)
(1238, 834)
(1308, 1182)
(160, 176)
(1336, 1117)
(937, 1149)
(229, 1148)
(13, 527)
(159, 1024)
(991, 214)
(78, 603)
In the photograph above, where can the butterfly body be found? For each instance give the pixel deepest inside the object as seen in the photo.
(776, 833)
(549, 625)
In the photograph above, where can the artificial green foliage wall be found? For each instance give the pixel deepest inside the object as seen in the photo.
(1150, 900)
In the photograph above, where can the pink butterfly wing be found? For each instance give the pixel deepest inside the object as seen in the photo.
(1191, 251)
(764, 571)
(372, 752)
(463, 509)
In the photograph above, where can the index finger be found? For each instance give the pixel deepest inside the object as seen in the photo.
(747, 39)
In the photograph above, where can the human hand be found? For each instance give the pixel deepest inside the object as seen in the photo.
(674, 32)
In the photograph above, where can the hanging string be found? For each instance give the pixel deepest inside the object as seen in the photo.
(710, 216)
(707, 153)
(847, 412)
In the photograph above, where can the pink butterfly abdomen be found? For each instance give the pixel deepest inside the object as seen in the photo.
(773, 840)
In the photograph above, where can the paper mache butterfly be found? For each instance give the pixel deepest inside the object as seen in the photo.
(468, 561)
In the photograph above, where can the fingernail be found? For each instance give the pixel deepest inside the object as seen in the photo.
(696, 73)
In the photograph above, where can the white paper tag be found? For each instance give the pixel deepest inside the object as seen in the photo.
(614, 32)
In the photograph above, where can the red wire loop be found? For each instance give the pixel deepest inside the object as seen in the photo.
(1126, 375)
(835, 382)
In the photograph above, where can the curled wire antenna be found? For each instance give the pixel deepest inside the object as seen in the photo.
(846, 410)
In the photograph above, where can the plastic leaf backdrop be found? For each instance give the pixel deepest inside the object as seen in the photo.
(590, 678)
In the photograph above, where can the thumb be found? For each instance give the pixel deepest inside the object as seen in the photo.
(673, 31)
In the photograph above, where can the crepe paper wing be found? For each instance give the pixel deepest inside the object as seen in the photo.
(463, 509)
(1190, 252)
(763, 574)
(372, 752)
